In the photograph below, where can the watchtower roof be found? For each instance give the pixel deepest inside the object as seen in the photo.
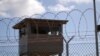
(35, 21)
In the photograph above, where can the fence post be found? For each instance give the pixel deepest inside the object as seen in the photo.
(67, 45)
(96, 34)
(67, 49)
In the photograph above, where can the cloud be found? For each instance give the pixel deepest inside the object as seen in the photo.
(68, 5)
(98, 0)
(17, 8)
(81, 1)
(60, 7)
(75, 1)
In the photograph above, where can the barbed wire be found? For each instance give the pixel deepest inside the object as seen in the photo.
(55, 16)
(75, 30)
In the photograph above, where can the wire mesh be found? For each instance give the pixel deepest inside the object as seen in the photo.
(79, 25)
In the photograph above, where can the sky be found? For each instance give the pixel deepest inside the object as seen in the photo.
(19, 8)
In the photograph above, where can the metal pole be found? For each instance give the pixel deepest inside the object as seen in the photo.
(67, 49)
(96, 34)
(67, 45)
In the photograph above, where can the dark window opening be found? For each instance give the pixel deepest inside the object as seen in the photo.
(33, 30)
(45, 30)
(55, 31)
(22, 32)
(39, 30)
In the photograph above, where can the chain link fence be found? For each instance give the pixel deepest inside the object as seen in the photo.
(79, 36)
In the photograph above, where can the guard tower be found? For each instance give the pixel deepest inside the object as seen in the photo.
(40, 37)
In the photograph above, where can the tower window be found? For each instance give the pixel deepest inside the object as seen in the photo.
(45, 30)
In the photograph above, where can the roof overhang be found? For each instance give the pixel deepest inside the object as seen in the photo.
(35, 21)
